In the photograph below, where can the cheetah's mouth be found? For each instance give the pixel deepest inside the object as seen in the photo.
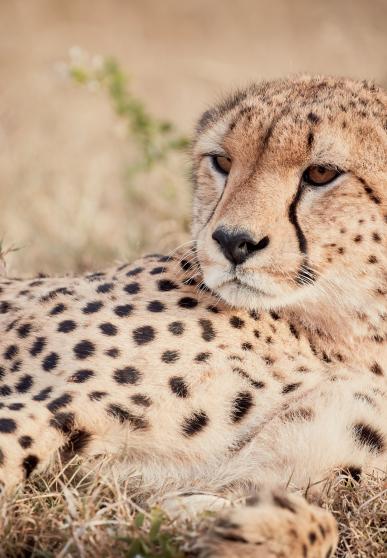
(242, 290)
(249, 288)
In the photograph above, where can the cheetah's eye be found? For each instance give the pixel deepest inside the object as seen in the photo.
(221, 164)
(318, 175)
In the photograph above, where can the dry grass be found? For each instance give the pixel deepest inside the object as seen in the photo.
(70, 513)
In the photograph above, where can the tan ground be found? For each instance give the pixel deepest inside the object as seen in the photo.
(65, 203)
(63, 199)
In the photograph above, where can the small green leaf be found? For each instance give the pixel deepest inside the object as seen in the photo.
(139, 520)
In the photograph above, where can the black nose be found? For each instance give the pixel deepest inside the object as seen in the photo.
(237, 246)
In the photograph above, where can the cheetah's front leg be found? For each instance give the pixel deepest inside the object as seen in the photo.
(273, 525)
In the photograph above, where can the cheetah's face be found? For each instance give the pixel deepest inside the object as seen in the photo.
(289, 197)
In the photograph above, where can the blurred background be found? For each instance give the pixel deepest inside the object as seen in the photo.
(92, 162)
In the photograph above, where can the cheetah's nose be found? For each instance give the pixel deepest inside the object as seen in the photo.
(237, 246)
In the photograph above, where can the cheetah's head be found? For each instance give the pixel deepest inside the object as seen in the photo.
(290, 194)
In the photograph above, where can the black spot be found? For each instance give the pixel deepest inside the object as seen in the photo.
(127, 375)
(255, 383)
(76, 443)
(310, 139)
(364, 397)
(312, 117)
(282, 501)
(38, 346)
(195, 423)
(84, 349)
(10, 352)
(108, 329)
(54, 293)
(50, 361)
(294, 331)
(7, 425)
(254, 315)
(43, 394)
(59, 402)
(132, 288)
(25, 441)
(178, 386)
(15, 406)
(213, 309)
(158, 270)
(378, 338)
(64, 422)
(96, 276)
(4, 307)
(135, 271)
(288, 388)
(66, 326)
(246, 346)
(275, 316)
(232, 537)
(236, 322)
(143, 335)
(12, 324)
(185, 265)
(368, 436)
(92, 307)
(81, 376)
(24, 384)
(372, 259)
(376, 237)
(123, 415)
(376, 369)
(5, 390)
(312, 537)
(190, 281)
(353, 472)
(105, 288)
(24, 330)
(208, 333)
(58, 309)
(113, 352)
(97, 395)
(166, 285)
(188, 302)
(155, 306)
(241, 405)
(170, 356)
(202, 357)
(123, 310)
(142, 400)
(370, 193)
(16, 366)
(29, 464)
(176, 328)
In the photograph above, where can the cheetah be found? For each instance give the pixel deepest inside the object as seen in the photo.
(254, 360)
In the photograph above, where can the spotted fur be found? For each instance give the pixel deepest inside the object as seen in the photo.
(198, 374)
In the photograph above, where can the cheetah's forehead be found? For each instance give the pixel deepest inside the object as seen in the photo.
(319, 97)
(293, 115)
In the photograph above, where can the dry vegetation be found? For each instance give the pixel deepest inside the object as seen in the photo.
(71, 513)
(68, 203)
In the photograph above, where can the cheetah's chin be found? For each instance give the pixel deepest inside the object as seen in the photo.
(240, 295)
